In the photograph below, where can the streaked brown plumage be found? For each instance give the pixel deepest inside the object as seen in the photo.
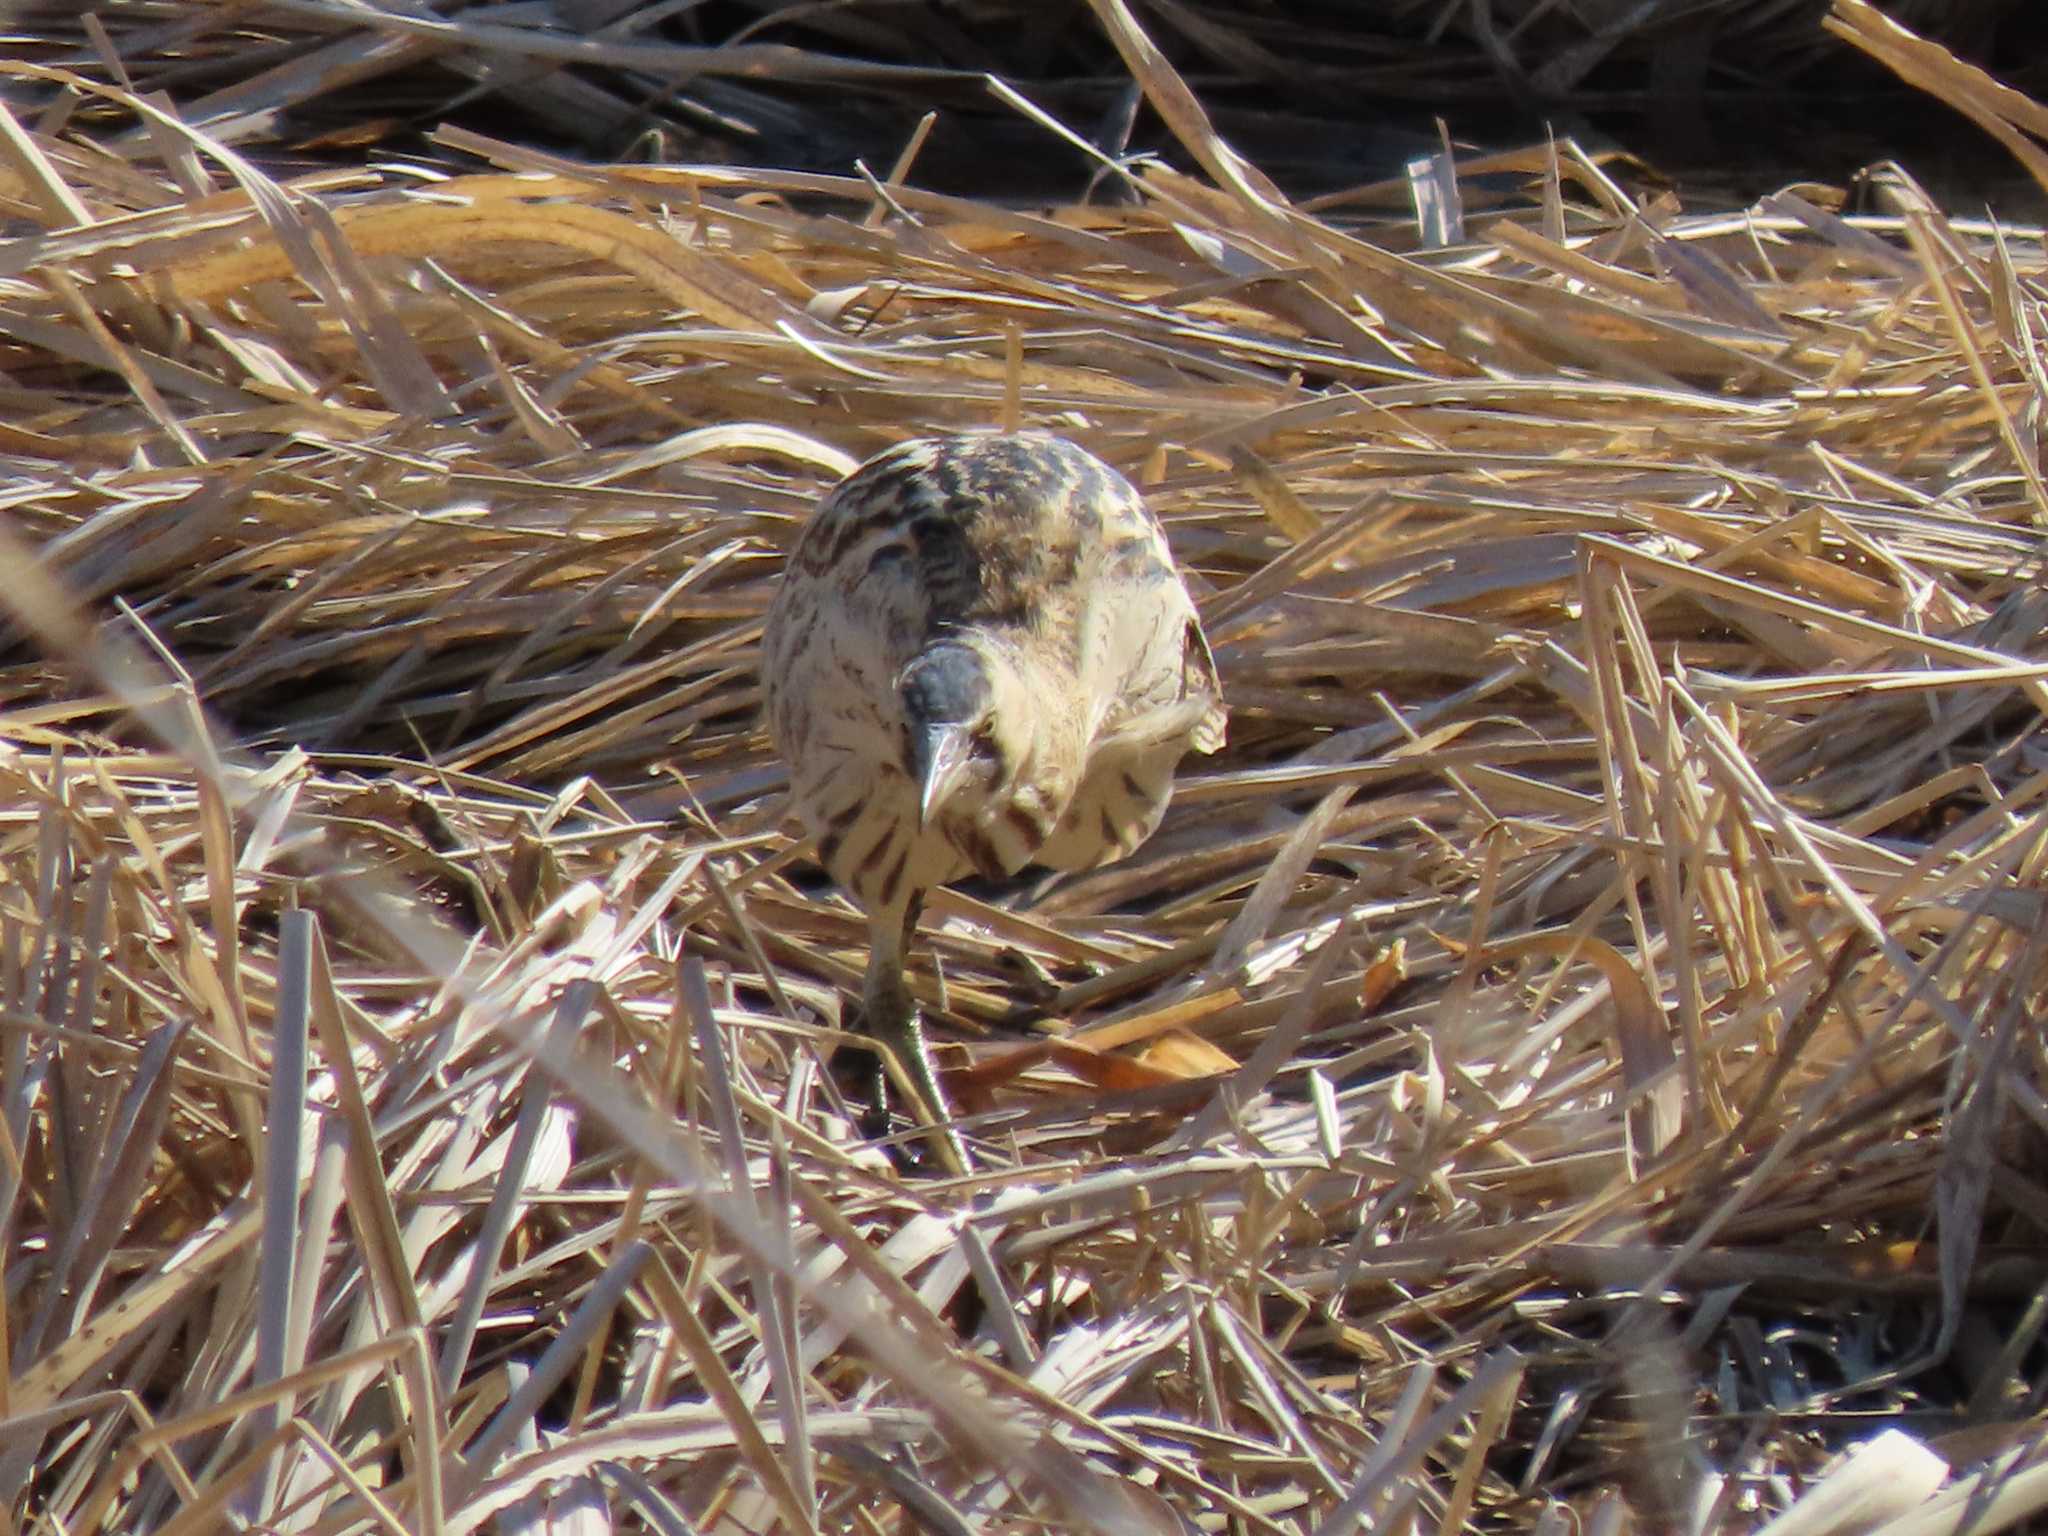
(981, 656)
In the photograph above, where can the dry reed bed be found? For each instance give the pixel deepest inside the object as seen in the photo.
(1622, 897)
(1308, 86)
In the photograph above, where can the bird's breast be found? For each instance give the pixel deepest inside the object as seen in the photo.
(1119, 804)
(999, 834)
(863, 814)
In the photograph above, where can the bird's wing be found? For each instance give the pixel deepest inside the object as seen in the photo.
(1200, 681)
(1161, 725)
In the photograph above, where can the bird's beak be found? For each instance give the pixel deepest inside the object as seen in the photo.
(944, 751)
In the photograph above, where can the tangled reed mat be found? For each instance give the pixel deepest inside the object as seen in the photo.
(1576, 1054)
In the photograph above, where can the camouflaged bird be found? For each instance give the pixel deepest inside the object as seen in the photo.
(981, 656)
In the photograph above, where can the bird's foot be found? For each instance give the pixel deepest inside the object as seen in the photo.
(903, 1055)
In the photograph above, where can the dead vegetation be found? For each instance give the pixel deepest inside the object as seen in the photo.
(1319, 95)
(1619, 912)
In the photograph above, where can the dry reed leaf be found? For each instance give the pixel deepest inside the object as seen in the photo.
(1179, 1056)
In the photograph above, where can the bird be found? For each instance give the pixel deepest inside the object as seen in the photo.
(981, 656)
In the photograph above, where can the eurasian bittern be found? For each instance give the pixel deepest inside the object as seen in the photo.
(981, 656)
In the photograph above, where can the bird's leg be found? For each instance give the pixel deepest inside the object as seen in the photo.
(893, 1019)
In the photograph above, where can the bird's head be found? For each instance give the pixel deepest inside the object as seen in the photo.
(952, 726)
(979, 736)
